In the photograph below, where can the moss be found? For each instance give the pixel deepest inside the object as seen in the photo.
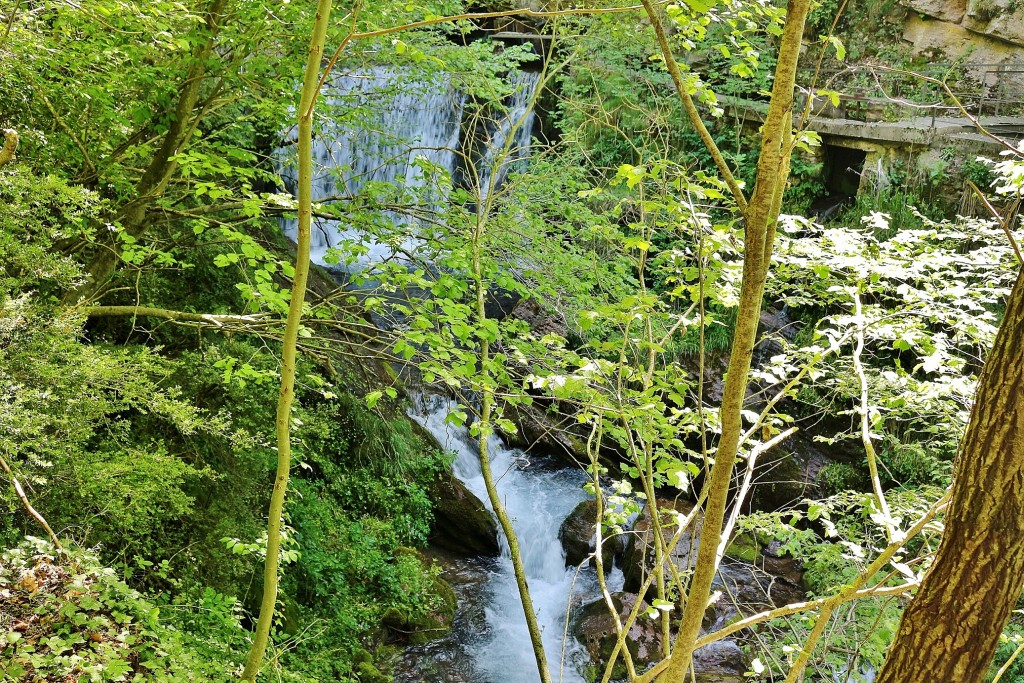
(368, 673)
(422, 626)
(745, 547)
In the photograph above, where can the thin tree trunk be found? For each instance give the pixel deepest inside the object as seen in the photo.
(290, 343)
(951, 628)
(10, 146)
(760, 217)
(133, 217)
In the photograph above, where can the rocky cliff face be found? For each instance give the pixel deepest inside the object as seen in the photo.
(989, 32)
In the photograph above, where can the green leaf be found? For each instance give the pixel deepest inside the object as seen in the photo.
(839, 47)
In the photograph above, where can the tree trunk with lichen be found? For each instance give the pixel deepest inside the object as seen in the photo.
(290, 342)
(760, 215)
(951, 628)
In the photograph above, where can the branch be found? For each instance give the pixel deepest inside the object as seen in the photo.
(755, 452)
(28, 506)
(174, 316)
(865, 424)
(1004, 223)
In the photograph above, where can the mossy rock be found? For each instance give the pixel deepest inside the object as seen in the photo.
(423, 626)
(368, 673)
(745, 547)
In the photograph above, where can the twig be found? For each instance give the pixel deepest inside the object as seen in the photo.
(28, 506)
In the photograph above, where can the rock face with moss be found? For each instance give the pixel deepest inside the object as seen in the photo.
(462, 525)
(984, 31)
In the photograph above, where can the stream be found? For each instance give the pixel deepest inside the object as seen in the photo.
(491, 628)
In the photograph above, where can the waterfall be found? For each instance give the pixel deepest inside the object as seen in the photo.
(537, 499)
(385, 130)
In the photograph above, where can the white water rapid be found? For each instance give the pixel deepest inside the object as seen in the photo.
(421, 123)
(538, 499)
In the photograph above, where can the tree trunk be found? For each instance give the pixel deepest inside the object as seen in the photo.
(951, 628)
(134, 216)
(290, 343)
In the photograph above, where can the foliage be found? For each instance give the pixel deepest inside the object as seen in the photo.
(67, 615)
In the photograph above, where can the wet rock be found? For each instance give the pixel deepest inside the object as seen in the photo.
(747, 589)
(595, 628)
(449, 659)
(578, 536)
(462, 525)
(720, 661)
(640, 548)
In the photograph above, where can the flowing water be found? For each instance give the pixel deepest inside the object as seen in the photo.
(428, 122)
(538, 498)
(421, 125)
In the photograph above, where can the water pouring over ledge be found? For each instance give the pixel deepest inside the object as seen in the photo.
(426, 124)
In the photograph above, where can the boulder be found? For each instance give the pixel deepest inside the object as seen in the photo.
(462, 525)
(578, 536)
(639, 554)
(595, 629)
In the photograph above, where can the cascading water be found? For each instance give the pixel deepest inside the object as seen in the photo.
(537, 499)
(430, 121)
(402, 128)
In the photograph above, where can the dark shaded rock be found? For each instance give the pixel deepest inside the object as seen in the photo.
(595, 628)
(540, 320)
(578, 536)
(462, 525)
(541, 431)
(501, 303)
